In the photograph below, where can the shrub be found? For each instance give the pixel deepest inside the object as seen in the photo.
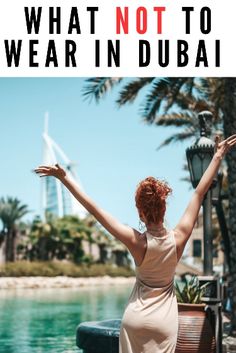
(57, 268)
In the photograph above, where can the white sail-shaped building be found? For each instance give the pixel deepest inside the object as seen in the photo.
(56, 199)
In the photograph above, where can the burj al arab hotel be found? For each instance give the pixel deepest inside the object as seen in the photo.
(56, 199)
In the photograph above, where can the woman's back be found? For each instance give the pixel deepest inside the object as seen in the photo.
(150, 321)
(158, 266)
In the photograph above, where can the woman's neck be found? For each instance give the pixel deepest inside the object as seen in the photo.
(152, 227)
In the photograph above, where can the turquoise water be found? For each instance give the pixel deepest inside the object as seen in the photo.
(45, 320)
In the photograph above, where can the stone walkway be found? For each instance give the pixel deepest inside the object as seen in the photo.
(61, 282)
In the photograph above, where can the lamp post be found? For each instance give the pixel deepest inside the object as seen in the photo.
(199, 157)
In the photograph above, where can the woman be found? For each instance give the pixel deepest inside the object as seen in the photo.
(150, 321)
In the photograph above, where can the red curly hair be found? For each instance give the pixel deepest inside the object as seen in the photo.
(150, 198)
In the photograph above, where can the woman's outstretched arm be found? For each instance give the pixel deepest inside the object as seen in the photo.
(185, 226)
(125, 234)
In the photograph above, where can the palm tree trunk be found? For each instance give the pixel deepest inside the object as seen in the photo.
(10, 245)
(230, 128)
(2, 247)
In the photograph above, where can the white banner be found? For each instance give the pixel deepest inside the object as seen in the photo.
(117, 38)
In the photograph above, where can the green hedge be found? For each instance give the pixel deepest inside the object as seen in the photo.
(51, 269)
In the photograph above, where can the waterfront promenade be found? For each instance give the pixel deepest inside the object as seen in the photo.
(62, 282)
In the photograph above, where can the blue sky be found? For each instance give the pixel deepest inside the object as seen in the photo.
(114, 149)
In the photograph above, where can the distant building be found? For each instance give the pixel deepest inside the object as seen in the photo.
(56, 199)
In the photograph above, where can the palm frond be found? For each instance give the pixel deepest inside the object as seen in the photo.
(187, 93)
(130, 91)
(11, 210)
(181, 136)
(154, 99)
(189, 86)
(176, 84)
(97, 87)
(217, 95)
(203, 86)
(175, 119)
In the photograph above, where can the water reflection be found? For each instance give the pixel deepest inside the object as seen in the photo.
(45, 320)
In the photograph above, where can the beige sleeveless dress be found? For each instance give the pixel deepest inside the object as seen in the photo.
(150, 320)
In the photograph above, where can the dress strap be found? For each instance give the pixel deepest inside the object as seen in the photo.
(146, 236)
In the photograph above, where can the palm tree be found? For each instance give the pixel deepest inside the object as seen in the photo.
(58, 238)
(175, 102)
(41, 244)
(11, 211)
(167, 102)
(71, 232)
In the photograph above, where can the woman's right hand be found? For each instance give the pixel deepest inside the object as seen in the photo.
(54, 170)
(222, 147)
